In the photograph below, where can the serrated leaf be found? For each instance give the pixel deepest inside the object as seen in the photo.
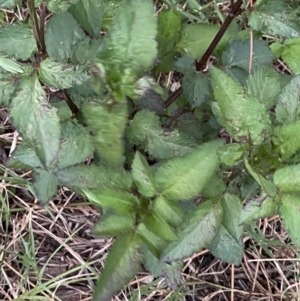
(113, 224)
(272, 17)
(34, 118)
(76, 145)
(171, 212)
(183, 178)
(145, 131)
(121, 201)
(243, 116)
(230, 153)
(143, 176)
(185, 65)
(288, 107)
(45, 184)
(259, 83)
(268, 187)
(89, 14)
(287, 179)
(225, 247)
(196, 88)
(62, 76)
(255, 210)
(197, 232)
(8, 4)
(159, 226)
(286, 139)
(290, 214)
(59, 6)
(7, 87)
(122, 263)
(17, 41)
(90, 177)
(107, 123)
(62, 34)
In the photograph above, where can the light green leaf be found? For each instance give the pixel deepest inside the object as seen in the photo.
(8, 85)
(197, 232)
(272, 17)
(145, 132)
(243, 116)
(214, 188)
(59, 6)
(90, 177)
(288, 107)
(259, 83)
(10, 65)
(113, 224)
(45, 184)
(86, 51)
(89, 14)
(62, 76)
(286, 139)
(121, 201)
(268, 187)
(287, 179)
(255, 210)
(225, 247)
(169, 211)
(122, 263)
(196, 88)
(8, 4)
(62, 34)
(76, 145)
(183, 178)
(143, 176)
(34, 118)
(107, 123)
(230, 153)
(17, 41)
(290, 214)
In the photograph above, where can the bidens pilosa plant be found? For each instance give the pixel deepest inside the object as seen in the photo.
(80, 81)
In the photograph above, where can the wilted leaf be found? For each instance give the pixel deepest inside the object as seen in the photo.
(287, 179)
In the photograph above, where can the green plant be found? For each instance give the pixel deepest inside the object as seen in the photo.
(74, 95)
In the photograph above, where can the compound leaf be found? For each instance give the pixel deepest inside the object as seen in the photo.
(62, 76)
(34, 118)
(287, 179)
(183, 178)
(123, 262)
(60, 6)
(17, 41)
(197, 232)
(62, 34)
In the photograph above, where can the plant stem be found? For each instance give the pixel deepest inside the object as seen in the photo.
(70, 103)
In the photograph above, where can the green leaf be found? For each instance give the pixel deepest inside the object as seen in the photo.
(185, 65)
(214, 188)
(62, 76)
(62, 34)
(113, 224)
(259, 83)
(143, 176)
(107, 123)
(197, 232)
(196, 88)
(255, 210)
(10, 65)
(230, 153)
(272, 17)
(159, 226)
(171, 212)
(121, 201)
(145, 131)
(76, 145)
(90, 177)
(290, 214)
(7, 87)
(8, 4)
(243, 116)
(17, 41)
(288, 107)
(286, 139)
(287, 179)
(86, 51)
(89, 14)
(183, 178)
(268, 187)
(122, 263)
(34, 118)
(127, 46)
(45, 184)
(59, 6)
(225, 247)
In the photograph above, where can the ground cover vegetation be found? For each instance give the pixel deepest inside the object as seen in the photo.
(85, 85)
